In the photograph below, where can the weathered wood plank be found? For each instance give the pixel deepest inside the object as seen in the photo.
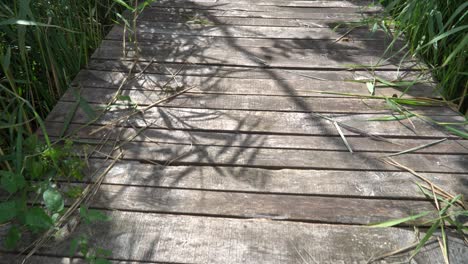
(271, 206)
(182, 43)
(176, 154)
(217, 71)
(259, 57)
(256, 57)
(359, 144)
(297, 84)
(267, 12)
(189, 239)
(249, 102)
(225, 4)
(306, 182)
(259, 121)
(150, 30)
(241, 21)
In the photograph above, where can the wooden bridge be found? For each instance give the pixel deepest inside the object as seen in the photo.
(240, 138)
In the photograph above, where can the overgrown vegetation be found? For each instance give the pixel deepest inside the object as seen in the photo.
(437, 32)
(43, 45)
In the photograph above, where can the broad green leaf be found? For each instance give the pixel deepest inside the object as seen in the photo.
(12, 237)
(53, 200)
(37, 219)
(11, 182)
(102, 261)
(400, 221)
(8, 211)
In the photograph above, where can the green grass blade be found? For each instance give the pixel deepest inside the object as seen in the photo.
(400, 221)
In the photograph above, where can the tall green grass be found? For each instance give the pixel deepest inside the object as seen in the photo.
(437, 32)
(43, 45)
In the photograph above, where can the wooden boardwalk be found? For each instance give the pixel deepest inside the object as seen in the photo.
(246, 163)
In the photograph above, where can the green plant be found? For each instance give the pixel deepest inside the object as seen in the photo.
(33, 200)
(437, 32)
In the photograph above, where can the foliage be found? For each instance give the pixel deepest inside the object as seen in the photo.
(436, 31)
(43, 45)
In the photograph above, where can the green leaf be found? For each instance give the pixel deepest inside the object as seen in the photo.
(122, 3)
(400, 221)
(371, 87)
(457, 132)
(391, 118)
(101, 261)
(426, 237)
(11, 182)
(74, 244)
(12, 237)
(8, 211)
(53, 200)
(37, 219)
(90, 215)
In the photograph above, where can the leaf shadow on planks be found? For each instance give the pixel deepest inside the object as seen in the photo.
(168, 118)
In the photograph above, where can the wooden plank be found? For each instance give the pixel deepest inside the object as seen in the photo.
(241, 21)
(256, 57)
(274, 12)
(359, 144)
(252, 205)
(176, 154)
(259, 121)
(217, 71)
(305, 182)
(151, 30)
(189, 239)
(249, 102)
(299, 86)
(224, 4)
(182, 43)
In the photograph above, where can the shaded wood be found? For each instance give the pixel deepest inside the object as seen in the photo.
(176, 154)
(190, 239)
(371, 46)
(306, 182)
(251, 205)
(298, 86)
(152, 30)
(274, 12)
(258, 57)
(259, 121)
(359, 144)
(225, 4)
(217, 71)
(246, 102)
(241, 21)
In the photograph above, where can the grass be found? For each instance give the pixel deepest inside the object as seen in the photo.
(43, 45)
(437, 32)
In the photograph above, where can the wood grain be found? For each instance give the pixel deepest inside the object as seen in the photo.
(290, 181)
(246, 102)
(189, 239)
(258, 121)
(175, 154)
(256, 57)
(237, 82)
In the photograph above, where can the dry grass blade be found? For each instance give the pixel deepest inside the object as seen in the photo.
(141, 111)
(396, 252)
(417, 148)
(437, 189)
(343, 137)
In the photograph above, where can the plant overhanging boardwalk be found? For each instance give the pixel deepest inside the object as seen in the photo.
(260, 131)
